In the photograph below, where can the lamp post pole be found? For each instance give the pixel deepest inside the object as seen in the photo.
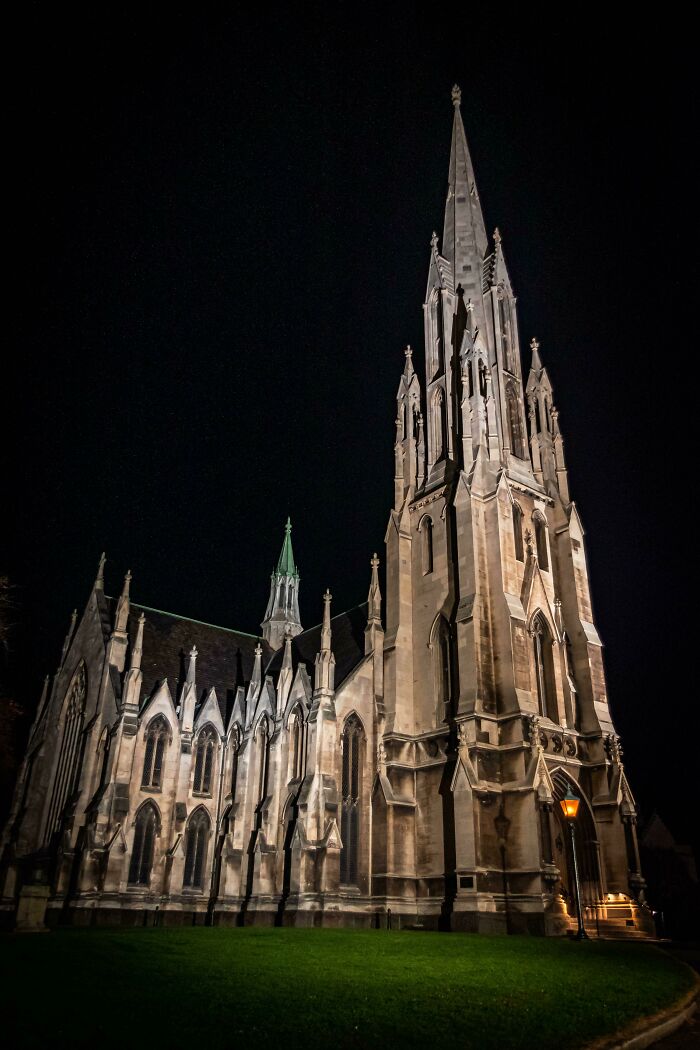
(569, 805)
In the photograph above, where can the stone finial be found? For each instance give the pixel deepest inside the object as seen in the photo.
(408, 352)
(434, 241)
(456, 95)
(127, 583)
(497, 236)
(469, 306)
(534, 344)
(192, 665)
(258, 649)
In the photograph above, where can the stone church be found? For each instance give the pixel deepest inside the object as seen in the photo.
(399, 763)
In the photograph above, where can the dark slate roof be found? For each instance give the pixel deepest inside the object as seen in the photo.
(347, 643)
(225, 658)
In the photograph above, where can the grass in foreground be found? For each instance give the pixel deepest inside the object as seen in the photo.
(323, 988)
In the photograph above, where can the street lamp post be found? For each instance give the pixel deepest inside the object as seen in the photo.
(569, 805)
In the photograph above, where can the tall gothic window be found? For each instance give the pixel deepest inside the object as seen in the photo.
(426, 530)
(504, 324)
(518, 532)
(438, 425)
(204, 762)
(515, 427)
(541, 542)
(544, 668)
(156, 740)
(67, 768)
(353, 744)
(442, 663)
(196, 842)
(296, 745)
(538, 421)
(262, 742)
(144, 845)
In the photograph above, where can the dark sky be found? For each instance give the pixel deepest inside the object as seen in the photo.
(220, 248)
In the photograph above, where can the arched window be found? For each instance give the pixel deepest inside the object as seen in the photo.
(262, 743)
(515, 428)
(144, 845)
(196, 842)
(518, 532)
(353, 745)
(547, 415)
(156, 740)
(504, 324)
(538, 421)
(442, 664)
(482, 378)
(67, 768)
(204, 762)
(544, 668)
(541, 542)
(438, 425)
(426, 530)
(296, 745)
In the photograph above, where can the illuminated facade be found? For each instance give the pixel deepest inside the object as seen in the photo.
(182, 772)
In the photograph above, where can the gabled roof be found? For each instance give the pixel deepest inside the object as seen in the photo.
(347, 644)
(225, 657)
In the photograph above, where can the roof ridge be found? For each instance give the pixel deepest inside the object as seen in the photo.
(190, 619)
(343, 613)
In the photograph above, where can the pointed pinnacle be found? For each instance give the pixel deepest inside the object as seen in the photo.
(127, 581)
(100, 578)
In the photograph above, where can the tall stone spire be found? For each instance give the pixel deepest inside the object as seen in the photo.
(464, 239)
(100, 578)
(282, 611)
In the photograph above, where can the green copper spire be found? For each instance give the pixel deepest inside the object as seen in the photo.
(285, 565)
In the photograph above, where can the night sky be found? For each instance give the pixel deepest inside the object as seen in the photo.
(219, 248)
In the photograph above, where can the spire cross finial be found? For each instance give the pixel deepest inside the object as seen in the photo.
(534, 344)
(408, 352)
(456, 95)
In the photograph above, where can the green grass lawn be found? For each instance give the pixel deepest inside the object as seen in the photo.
(205, 988)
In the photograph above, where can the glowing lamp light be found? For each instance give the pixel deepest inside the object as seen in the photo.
(569, 805)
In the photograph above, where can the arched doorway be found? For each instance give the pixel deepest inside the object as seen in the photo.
(587, 851)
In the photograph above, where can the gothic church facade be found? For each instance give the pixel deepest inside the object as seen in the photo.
(408, 763)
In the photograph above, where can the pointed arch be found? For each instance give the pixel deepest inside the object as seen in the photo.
(295, 727)
(438, 423)
(205, 751)
(586, 840)
(261, 737)
(425, 527)
(197, 837)
(441, 646)
(540, 526)
(518, 531)
(158, 736)
(543, 645)
(515, 427)
(146, 828)
(504, 323)
(69, 756)
(353, 743)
